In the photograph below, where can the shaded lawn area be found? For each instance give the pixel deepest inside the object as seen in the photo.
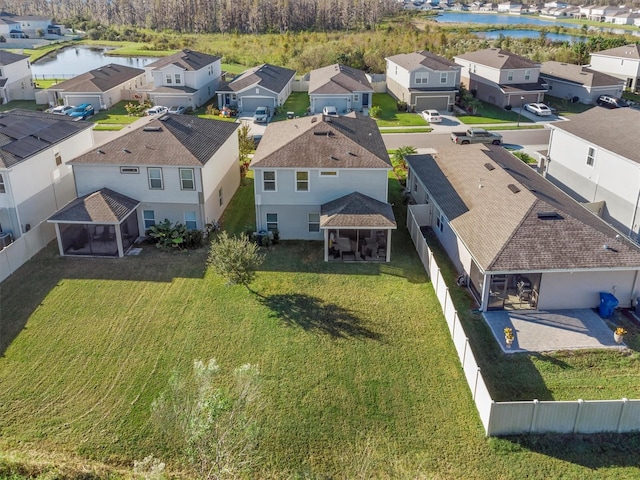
(298, 103)
(565, 107)
(488, 113)
(391, 117)
(25, 104)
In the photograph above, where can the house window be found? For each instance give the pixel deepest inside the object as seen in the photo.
(233, 96)
(168, 78)
(591, 156)
(444, 77)
(129, 170)
(328, 173)
(155, 178)
(269, 181)
(58, 160)
(440, 222)
(422, 77)
(527, 74)
(149, 217)
(272, 222)
(356, 97)
(220, 197)
(2, 187)
(186, 179)
(178, 79)
(510, 75)
(473, 68)
(190, 220)
(415, 186)
(302, 181)
(314, 222)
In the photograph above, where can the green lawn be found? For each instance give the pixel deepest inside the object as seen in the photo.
(26, 104)
(565, 107)
(360, 378)
(298, 103)
(391, 117)
(116, 115)
(488, 113)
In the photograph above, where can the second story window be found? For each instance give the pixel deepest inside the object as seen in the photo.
(302, 181)
(527, 74)
(168, 79)
(2, 187)
(422, 78)
(444, 77)
(178, 78)
(510, 75)
(155, 178)
(269, 181)
(186, 179)
(591, 156)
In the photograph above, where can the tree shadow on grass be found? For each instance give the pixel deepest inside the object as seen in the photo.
(314, 315)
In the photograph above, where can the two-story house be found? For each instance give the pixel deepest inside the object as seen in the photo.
(30, 25)
(578, 82)
(620, 62)
(186, 78)
(501, 78)
(325, 178)
(595, 158)
(176, 167)
(15, 77)
(423, 80)
(339, 86)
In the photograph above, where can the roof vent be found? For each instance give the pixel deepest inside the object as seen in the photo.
(314, 119)
(126, 151)
(489, 167)
(152, 129)
(101, 152)
(513, 188)
(164, 118)
(331, 157)
(549, 216)
(352, 154)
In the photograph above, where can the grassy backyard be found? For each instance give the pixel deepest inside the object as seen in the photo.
(488, 113)
(391, 117)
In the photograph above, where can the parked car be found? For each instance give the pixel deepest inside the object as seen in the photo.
(611, 102)
(431, 116)
(262, 115)
(82, 111)
(476, 135)
(62, 110)
(330, 110)
(157, 110)
(540, 109)
(177, 109)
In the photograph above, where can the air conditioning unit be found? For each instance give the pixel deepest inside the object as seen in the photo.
(5, 239)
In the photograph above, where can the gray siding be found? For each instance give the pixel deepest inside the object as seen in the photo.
(293, 221)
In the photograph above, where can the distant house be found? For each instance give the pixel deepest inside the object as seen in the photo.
(598, 13)
(339, 86)
(501, 78)
(102, 87)
(262, 86)
(621, 62)
(595, 158)
(176, 167)
(578, 82)
(8, 25)
(518, 241)
(186, 78)
(424, 80)
(325, 178)
(510, 7)
(29, 25)
(15, 77)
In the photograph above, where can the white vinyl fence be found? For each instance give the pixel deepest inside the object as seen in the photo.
(505, 418)
(22, 249)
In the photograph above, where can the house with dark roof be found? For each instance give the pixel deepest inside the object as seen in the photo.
(345, 88)
(579, 83)
(102, 87)
(595, 158)
(501, 78)
(186, 78)
(424, 80)
(262, 86)
(517, 240)
(176, 167)
(15, 77)
(325, 178)
(620, 62)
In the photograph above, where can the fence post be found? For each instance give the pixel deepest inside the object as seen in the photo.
(534, 415)
(475, 386)
(464, 350)
(576, 420)
(625, 403)
(453, 329)
(444, 306)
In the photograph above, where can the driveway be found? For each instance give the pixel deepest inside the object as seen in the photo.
(535, 118)
(255, 129)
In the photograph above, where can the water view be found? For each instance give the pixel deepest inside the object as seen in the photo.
(76, 60)
(554, 37)
(500, 19)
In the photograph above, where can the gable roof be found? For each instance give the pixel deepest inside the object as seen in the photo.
(7, 58)
(512, 219)
(24, 133)
(578, 74)
(498, 58)
(176, 140)
(618, 130)
(268, 76)
(103, 206)
(318, 141)
(631, 51)
(415, 60)
(186, 59)
(338, 79)
(101, 79)
(357, 210)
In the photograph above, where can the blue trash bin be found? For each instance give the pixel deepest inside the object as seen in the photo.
(608, 303)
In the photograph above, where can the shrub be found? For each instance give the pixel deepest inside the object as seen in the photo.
(402, 106)
(375, 112)
(235, 258)
(165, 235)
(137, 109)
(193, 239)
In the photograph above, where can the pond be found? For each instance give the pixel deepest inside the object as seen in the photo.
(73, 61)
(554, 37)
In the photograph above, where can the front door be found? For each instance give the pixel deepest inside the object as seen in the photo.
(365, 100)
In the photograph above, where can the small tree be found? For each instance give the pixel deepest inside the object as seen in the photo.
(375, 111)
(400, 164)
(235, 258)
(474, 104)
(246, 146)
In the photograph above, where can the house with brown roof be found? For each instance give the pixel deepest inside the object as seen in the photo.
(424, 80)
(579, 83)
(325, 178)
(620, 62)
(345, 88)
(262, 86)
(15, 77)
(517, 240)
(102, 87)
(187, 79)
(501, 78)
(176, 167)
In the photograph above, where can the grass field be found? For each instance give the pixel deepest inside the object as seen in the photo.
(115, 116)
(564, 107)
(488, 113)
(298, 103)
(391, 117)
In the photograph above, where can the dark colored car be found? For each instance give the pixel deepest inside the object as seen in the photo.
(608, 101)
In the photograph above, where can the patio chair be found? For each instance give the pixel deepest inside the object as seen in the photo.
(99, 232)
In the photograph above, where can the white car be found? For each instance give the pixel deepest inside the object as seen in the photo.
(157, 110)
(330, 110)
(540, 109)
(431, 116)
(177, 110)
(62, 110)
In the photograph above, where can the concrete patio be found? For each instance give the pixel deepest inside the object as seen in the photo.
(543, 331)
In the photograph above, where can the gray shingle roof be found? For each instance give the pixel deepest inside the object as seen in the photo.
(498, 58)
(338, 79)
(99, 80)
(178, 140)
(415, 60)
(103, 206)
(631, 51)
(25, 133)
(357, 210)
(502, 229)
(187, 59)
(349, 141)
(7, 58)
(268, 76)
(616, 130)
(578, 74)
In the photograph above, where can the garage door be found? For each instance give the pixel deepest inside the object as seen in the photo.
(78, 99)
(435, 103)
(249, 104)
(339, 103)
